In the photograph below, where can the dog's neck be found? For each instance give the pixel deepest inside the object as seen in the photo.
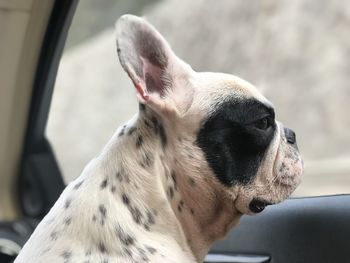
(164, 189)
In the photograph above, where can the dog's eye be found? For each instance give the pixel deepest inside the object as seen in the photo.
(263, 124)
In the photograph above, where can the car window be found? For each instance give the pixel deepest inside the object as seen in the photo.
(295, 52)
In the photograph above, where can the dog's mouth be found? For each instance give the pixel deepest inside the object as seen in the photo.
(258, 205)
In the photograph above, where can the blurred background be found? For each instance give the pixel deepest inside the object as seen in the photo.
(296, 52)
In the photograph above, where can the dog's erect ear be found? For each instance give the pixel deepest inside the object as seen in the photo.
(159, 76)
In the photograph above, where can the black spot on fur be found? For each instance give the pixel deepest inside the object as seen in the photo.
(181, 203)
(67, 203)
(54, 235)
(103, 211)
(162, 135)
(283, 167)
(150, 218)
(113, 188)
(150, 249)
(147, 160)
(66, 255)
(173, 176)
(155, 124)
(171, 192)
(131, 130)
(88, 252)
(136, 214)
(122, 131)
(119, 176)
(139, 141)
(179, 208)
(159, 130)
(190, 156)
(104, 184)
(142, 107)
(124, 237)
(192, 181)
(127, 179)
(77, 186)
(125, 199)
(143, 254)
(148, 124)
(128, 252)
(102, 247)
(146, 219)
(67, 221)
(192, 211)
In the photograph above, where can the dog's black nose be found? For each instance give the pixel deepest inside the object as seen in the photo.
(290, 135)
(257, 205)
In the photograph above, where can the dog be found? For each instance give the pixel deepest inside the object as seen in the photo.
(203, 150)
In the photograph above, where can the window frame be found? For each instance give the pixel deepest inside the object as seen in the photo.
(40, 181)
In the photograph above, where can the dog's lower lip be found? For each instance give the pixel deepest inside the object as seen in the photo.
(258, 205)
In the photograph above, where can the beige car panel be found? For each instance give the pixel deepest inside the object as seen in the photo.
(22, 27)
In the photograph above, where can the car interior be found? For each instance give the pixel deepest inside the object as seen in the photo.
(33, 36)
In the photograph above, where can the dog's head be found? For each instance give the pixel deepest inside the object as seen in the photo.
(253, 158)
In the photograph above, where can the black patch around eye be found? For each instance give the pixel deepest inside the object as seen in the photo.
(233, 149)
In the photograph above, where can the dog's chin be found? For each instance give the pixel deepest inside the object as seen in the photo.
(254, 202)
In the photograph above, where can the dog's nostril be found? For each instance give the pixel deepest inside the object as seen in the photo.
(290, 135)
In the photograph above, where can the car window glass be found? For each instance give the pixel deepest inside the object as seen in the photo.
(295, 52)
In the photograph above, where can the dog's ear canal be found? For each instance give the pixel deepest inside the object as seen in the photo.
(151, 64)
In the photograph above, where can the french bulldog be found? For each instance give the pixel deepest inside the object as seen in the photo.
(203, 150)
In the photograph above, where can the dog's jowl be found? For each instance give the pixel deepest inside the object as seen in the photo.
(203, 149)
